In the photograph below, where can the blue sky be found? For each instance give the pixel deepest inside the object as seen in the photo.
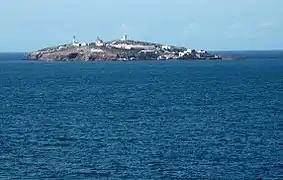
(28, 25)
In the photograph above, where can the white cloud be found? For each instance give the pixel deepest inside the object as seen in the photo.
(266, 24)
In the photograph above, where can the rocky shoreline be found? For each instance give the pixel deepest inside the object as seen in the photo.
(119, 50)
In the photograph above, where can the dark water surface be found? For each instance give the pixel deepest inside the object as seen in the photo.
(142, 120)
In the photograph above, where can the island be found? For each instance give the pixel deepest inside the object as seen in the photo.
(119, 50)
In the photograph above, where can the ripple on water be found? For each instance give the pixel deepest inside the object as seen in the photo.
(141, 120)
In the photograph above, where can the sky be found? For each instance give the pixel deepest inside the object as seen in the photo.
(27, 25)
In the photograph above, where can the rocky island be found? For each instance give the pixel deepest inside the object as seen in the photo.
(118, 50)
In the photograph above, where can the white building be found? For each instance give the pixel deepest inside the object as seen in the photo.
(181, 54)
(166, 47)
(74, 41)
(124, 38)
(133, 46)
(201, 52)
(128, 47)
(99, 42)
(97, 50)
(77, 44)
(189, 51)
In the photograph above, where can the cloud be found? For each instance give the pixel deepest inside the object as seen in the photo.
(266, 24)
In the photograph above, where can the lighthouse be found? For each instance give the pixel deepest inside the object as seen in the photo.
(124, 38)
(74, 40)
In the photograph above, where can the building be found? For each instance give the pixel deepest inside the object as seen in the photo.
(166, 47)
(181, 54)
(77, 44)
(201, 52)
(74, 41)
(133, 46)
(99, 42)
(97, 50)
(124, 38)
(189, 51)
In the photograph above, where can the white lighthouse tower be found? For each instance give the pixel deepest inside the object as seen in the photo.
(74, 40)
(124, 38)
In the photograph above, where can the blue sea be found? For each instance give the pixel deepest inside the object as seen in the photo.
(142, 119)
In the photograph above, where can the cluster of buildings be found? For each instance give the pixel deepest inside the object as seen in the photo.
(98, 42)
(123, 43)
(77, 44)
(169, 52)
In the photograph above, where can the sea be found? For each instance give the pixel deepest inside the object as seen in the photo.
(214, 119)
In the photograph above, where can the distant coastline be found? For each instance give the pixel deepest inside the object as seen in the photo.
(120, 50)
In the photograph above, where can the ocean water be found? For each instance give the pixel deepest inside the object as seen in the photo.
(142, 120)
